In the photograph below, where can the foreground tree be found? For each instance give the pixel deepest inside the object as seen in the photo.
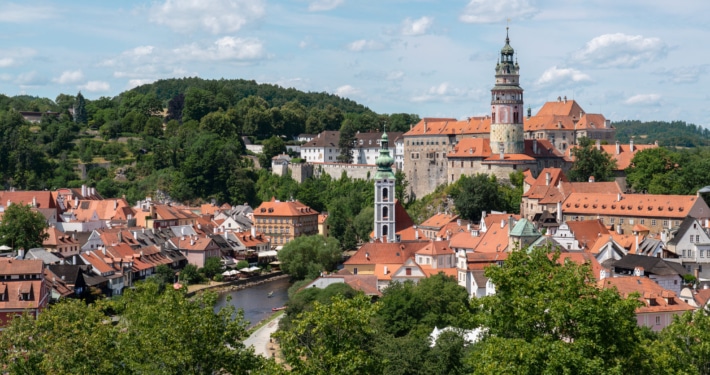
(334, 338)
(22, 228)
(682, 347)
(308, 256)
(182, 336)
(549, 317)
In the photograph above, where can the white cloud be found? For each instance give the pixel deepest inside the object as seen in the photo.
(6, 62)
(620, 51)
(490, 11)
(15, 13)
(416, 27)
(683, 74)
(95, 86)
(443, 92)
(69, 76)
(226, 48)
(15, 56)
(346, 90)
(142, 51)
(643, 99)
(133, 83)
(30, 79)
(365, 45)
(324, 5)
(215, 16)
(558, 76)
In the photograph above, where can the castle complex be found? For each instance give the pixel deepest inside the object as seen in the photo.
(441, 150)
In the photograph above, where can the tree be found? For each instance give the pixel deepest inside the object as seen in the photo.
(190, 275)
(22, 228)
(648, 165)
(308, 256)
(272, 147)
(472, 195)
(333, 338)
(175, 107)
(80, 109)
(682, 347)
(588, 162)
(548, 316)
(346, 142)
(213, 266)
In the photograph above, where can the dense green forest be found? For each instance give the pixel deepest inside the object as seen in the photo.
(669, 134)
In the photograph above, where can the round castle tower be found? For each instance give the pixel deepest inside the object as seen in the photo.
(507, 134)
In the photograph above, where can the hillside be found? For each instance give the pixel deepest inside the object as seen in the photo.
(669, 134)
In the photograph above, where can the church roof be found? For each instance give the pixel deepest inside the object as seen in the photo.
(524, 228)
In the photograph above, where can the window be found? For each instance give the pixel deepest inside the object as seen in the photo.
(355, 271)
(691, 239)
(665, 223)
(408, 271)
(384, 230)
(653, 222)
(621, 221)
(697, 238)
(643, 221)
(385, 194)
(658, 320)
(385, 212)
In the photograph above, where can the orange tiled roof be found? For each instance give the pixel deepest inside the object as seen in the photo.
(107, 209)
(439, 220)
(464, 240)
(57, 237)
(592, 121)
(624, 155)
(97, 260)
(587, 232)
(165, 212)
(562, 108)
(278, 208)
(429, 272)
(13, 289)
(385, 253)
(44, 199)
(434, 248)
(653, 295)
(549, 122)
(636, 205)
(582, 258)
(451, 126)
(471, 148)
(9, 266)
(251, 241)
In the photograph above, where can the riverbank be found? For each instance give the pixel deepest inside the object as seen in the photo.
(240, 284)
(261, 339)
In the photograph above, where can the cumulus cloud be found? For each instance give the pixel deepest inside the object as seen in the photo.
(643, 99)
(416, 27)
(133, 83)
(346, 90)
(6, 62)
(215, 16)
(15, 56)
(443, 92)
(557, 76)
(365, 45)
(324, 5)
(620, 51)
(490, 11)
(69, 76)
(226, 48)
(95, 86)
(141, 51)
(395, 75)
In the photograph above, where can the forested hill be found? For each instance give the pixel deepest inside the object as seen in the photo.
(228, 92)
(669, 134)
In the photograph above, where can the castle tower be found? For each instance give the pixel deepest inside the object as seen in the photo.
(384, 193)
(507, 105)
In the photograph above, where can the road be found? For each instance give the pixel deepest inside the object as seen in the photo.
(260, 338)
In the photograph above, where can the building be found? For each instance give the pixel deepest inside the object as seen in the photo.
(23, 288)
(323, 148)
(367, 146)
(385, 218)
(284, 221)
(441, 150)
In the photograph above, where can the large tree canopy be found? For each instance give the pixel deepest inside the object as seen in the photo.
(22, 228)
(308, 256)
(591, 162)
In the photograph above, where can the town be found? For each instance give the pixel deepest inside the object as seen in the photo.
(578, 211)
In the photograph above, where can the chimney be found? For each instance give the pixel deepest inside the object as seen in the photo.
(591, 178)
(618, 148)
(103, 249)
(21, 253)
(416, 234)
(664, 237)
(192, 241)
(638, 271)
(120, 237)
(115, 204)
(535, 146)
(565, 98)
(502, 155)
(559, 99)
(618, 197)
(603, 274)
(468, 227)
(8, 203)
(559, 212)
(599, 145)
(424, 126)
(619, 230)
(76, 202)
(34, 201)
(83, 191)
(548, 178)
(458, 222)
(386, 270)
(502, 224)
(631, 145)
(253, 231)
(637, 242)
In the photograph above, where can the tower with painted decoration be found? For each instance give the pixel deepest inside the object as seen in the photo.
(507, 105)
(384, 194)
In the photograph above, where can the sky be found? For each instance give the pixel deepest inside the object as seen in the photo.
(629, 59)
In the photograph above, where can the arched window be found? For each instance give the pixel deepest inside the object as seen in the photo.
(384, 230)
(385, 212)
(385, 194)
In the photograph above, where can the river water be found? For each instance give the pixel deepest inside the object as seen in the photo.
(255, 299)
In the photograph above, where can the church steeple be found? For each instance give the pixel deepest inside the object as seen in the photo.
(384, 194)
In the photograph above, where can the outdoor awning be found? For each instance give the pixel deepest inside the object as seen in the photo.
(269, 253)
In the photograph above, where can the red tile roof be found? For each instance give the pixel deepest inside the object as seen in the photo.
(653, 295)
(635, 205)
(451, 126)
(278, 208)
(9, 266)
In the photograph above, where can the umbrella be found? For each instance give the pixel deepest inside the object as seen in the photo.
(5, 248)
(227, 273)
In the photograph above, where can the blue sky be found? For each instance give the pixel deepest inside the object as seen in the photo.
(630, 59)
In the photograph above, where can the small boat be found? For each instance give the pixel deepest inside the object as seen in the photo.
(271, 293)
(278, 308)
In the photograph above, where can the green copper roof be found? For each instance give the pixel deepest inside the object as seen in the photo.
(524, 228)
(384, 161)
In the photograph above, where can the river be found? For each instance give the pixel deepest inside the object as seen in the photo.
(255, 299)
